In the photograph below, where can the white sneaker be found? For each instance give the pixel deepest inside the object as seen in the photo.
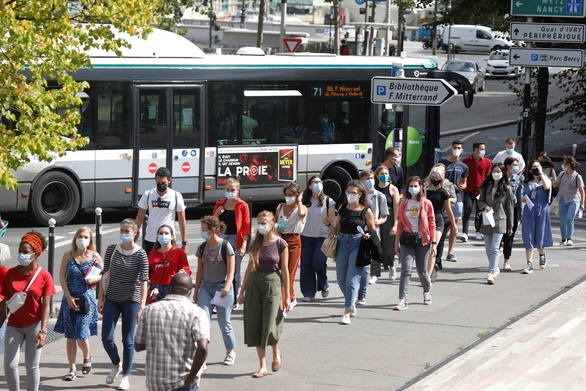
(528, 269)
(113, 375)
(230, 358)
(569, 242)
(373, 280)
(393, 274)
(490, 278)
(464, 238)
(427, 298)
(497, 272)
(124, 383)
(508, 267)
(308, 299)
(345, 319)
(353, 311)
(402, 305)
(479, 236)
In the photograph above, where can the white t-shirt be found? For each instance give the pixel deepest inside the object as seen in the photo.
(503, 155)
(161, 210)
(314, 227)
(293, 224)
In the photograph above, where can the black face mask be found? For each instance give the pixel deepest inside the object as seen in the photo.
(161, 187)
(435, 182)
(535, 171)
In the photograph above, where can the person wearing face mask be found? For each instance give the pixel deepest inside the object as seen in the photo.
(321, 212)
(29, 322)
(479, 168)
(388, 229)
(162, 205)
(515, 179)
(416, 240)
(128, 267)
(392, 161)
(496, 197)
(266, 285)
(77, 286)
(165, 260)
(536, 226)
(354, 213)
(292, 214)
(457, 174)
(234, 212)
(510, 152)
(380, 210)
(215, 272)
(548, 167)
(571, 197)
(326, 128)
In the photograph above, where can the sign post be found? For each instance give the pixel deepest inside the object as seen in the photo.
(411, 91)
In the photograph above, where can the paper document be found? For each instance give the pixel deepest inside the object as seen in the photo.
(488, 218)
(221, 301)
(529, 202)
(93, 273)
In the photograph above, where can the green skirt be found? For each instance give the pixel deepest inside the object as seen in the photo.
(263, 309)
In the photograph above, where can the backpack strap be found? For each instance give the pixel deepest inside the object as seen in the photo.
(224, 249)
(201, 248)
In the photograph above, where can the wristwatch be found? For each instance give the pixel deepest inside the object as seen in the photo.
(184, 242)
(42, 332)
(433, 242)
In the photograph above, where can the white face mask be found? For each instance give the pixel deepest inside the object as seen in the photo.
(289, 200)
(497, 176)
(82, 243)
(456, 152)
(263, 229)
(351, 198)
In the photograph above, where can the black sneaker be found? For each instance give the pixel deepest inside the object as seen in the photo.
(542, 261)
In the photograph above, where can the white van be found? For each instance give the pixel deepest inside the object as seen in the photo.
(471, 38)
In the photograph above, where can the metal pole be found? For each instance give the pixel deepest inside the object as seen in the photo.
(210, 15)
(249, 202)
(98, 238)
(242, 14)
(398, 131)
(283, 17)
(51, 254)
(388, 29)
(526, 110)
(434, 31)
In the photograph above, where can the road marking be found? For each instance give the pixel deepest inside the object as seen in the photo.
(446, 149)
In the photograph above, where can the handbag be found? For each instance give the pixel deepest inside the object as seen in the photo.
(330, 245)
(408, 239)
(554, 207)
(106, 274)
(83, 307)
(19, 298)
(153, 294)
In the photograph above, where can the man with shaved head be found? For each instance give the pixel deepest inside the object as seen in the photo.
(175, 333)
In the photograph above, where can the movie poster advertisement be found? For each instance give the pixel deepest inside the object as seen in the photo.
(257, 166)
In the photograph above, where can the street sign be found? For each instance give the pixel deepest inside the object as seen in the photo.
(292, 44)
(547, 32)
(532, 57)
(411, 91)
(548, 8)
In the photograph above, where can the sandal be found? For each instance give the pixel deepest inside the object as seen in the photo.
(70, 375)
(277, 364)
(87, 368)
(259, 374)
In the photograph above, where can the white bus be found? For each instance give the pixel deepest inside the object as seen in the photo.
(270, 119)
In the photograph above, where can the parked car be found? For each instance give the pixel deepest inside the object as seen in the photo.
(470, 69)
(498, 65)
(472, 38)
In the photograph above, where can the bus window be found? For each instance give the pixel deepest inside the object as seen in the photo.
(186, 118)
(224, 114)
(273, 114)
(153, 118)
(339, 113)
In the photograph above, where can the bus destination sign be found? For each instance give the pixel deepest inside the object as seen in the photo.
(337, 91)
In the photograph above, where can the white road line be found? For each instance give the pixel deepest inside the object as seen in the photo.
(446, 149)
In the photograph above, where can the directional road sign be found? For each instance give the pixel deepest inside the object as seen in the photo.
(532, 57)
(411, 91)
(548, 8)
(547, 32)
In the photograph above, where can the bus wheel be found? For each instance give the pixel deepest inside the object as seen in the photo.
(55, 196)
(335, 182)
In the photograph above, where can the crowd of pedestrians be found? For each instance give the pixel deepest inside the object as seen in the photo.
(379, 217)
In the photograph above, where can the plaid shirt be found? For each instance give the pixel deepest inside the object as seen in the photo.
(170, 330)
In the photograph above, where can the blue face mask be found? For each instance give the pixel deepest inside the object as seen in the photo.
(481, 153)
(24, 259)
(369, 184)
(230, 196)
(205, 235)
(510, 150)
(318, 188)
(324, 120)
(383, 178)
(126, 238)
(414, 190)
(515, 170)
(164, 239)
(564, 167)
(345, 122)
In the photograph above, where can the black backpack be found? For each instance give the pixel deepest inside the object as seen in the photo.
(223, 249)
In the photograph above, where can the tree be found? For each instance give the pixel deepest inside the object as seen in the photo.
(44, 42)
(261, 19)
(404, 6)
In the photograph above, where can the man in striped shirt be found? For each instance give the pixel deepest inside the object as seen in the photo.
(175, 333)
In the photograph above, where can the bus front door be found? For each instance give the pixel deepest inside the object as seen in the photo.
(168, 133)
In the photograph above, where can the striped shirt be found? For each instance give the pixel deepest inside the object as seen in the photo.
(127, 273)
(170, 329)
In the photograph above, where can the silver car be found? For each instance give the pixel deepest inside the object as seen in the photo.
(498, 65)
(470, 69)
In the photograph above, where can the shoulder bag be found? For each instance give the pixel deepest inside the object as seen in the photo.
(153, 294)
(19, 298)
(330, 244)
(83, 305)
(106, 274)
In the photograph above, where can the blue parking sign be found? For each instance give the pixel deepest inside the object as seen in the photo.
(534, 57)
(381, 90)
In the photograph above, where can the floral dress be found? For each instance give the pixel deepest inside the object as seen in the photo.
(79, 327)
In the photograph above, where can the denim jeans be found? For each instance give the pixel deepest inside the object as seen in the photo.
(347, 273)
(187, 388)
(567, 216)
(314, 268)
(112, 311)
(163, 290)
(492, 243)
(207, 290)
(364, 278)
(237, 264)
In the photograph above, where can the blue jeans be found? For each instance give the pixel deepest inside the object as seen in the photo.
(163, 290)
(567, 216)
(237, 264)
(364, 281)
(347, 273)
(314, 268)
(207, 291)
(112, 311)
(187, 388)
(492, 243)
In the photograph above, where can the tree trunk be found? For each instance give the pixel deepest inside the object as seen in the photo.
(372, 30)
(261, 17)
(400, 30)
(337, 27)
(541, 112)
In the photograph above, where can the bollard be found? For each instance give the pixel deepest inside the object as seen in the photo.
(574, 149)
(249, 202)
(51, 254)
(98, 238)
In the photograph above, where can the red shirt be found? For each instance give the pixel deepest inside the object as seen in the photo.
(30, 312)
(3, 271)
(477, 172)
(161, 271)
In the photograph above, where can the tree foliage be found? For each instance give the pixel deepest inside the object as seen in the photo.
(44, 42)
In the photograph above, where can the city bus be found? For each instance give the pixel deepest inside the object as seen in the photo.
(269, 119)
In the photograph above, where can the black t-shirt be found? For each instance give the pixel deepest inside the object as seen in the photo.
(437, 198)
(351, 219)
(387, 192)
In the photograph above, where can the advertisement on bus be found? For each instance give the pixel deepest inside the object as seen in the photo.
(258, 166)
